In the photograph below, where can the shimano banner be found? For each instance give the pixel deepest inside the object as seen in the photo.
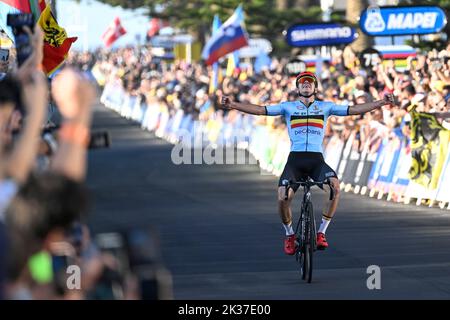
(320, 34)
(391, 21)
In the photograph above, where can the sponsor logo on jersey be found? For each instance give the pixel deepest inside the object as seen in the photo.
(307, 131)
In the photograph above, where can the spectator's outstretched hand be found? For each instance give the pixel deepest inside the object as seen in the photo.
(35, 97)
(37, 41)
(74, 96)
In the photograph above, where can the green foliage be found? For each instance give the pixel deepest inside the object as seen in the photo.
(262, 18)
(127, 4)
(429, 45)
(442, 3)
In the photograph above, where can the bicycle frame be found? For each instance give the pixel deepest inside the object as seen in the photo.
(306, 238)
(308, 219)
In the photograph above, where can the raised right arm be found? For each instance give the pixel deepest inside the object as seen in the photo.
(244, 107)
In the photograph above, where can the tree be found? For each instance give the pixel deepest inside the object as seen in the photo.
(354, 9)
(437, 42)
(264, 18)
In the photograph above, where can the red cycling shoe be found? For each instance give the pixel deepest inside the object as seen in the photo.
(289, 245)
(322, 243)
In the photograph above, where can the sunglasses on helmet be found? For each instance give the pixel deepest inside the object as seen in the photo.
(306, 79)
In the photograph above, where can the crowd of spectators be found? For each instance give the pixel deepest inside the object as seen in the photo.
(174, 86)
(43, 198)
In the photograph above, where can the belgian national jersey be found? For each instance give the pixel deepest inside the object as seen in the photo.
(306, 125)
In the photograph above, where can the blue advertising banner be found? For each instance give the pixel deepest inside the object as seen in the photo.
(391, 21)
(319, 34)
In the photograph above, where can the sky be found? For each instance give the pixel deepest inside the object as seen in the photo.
(89, 19)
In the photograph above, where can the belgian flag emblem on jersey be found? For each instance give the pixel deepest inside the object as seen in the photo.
(303, 121)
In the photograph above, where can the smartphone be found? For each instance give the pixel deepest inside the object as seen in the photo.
(155, 281)
(22, 40)
(60, 264)
(4, 54)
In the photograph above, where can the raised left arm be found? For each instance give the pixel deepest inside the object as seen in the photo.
(366, 107)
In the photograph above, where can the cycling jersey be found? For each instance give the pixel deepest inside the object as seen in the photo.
(306, 125)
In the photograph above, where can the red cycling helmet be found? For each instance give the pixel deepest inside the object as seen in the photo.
(308, 75)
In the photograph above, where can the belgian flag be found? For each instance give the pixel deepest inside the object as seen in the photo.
(56, 42)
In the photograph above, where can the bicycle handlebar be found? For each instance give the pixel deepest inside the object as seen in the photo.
(308, 183)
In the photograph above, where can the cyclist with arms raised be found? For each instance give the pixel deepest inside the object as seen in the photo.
(306, 120)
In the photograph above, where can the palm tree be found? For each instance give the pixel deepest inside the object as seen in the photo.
(354, 9)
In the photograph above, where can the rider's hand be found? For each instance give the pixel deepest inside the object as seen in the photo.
(226, 102)
(389, 99)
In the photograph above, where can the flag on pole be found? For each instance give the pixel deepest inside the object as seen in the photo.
(155, 25)
(429, 147)
(11, 6)
(19, 6)
(230, 37)
(214, 82)
(233, 58)
(114, 32)
(36, 7)
(233, 63)
(56, 42)
(22, 6)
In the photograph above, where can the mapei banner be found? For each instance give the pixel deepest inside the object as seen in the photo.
(391, 21)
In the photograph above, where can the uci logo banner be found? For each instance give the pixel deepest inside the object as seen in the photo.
(389, 21)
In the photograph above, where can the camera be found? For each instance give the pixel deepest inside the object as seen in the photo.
(100, 140)
(137, 251)
(97, 140)
(22, 40)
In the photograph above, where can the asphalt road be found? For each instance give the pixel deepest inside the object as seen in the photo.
(221, 236)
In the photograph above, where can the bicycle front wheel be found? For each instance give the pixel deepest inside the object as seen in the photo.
(305, 264)
(310, 242)
(308, 263)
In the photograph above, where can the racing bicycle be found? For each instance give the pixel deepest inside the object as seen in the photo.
(305, 231)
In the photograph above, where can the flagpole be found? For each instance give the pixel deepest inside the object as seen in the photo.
(53, 6)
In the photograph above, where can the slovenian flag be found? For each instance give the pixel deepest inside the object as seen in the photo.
(214, 81)
(231, 36)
